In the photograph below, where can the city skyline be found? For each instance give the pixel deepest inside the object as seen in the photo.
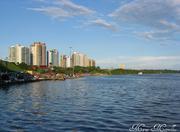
(110, 31)
(37, 54)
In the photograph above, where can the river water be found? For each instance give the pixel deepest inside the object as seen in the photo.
(90, 104)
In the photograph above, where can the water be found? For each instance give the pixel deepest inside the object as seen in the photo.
(91, 104)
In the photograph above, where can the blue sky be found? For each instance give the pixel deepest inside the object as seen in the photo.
(138, 33)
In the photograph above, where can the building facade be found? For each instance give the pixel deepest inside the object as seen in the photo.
(53, 58)
(38, 54)
(62, 61)
(76, 59)
(65, 61)
(19, 54)
(79, 59)
(68, 61)
(92, 63)
(12, 54)
(86, 61)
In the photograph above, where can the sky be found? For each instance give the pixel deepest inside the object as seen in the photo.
(142, 34)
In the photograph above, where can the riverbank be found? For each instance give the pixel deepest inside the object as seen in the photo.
(9, 79)
(14, 78)
(11, 73)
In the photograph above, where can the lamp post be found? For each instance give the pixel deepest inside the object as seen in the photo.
(6, 66)
(71, 63)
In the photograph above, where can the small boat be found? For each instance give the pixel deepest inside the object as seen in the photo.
(140, 73)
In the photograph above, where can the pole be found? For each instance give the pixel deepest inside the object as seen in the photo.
(71, 63)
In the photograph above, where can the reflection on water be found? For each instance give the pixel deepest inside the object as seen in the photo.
(112, 103)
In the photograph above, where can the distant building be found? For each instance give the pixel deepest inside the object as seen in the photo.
(13, 54)
(79, 59)
(92, 63)
(24, 55)
(122, 66)
(65, 61)
(85, 61)
(19, 54)
(38, 54)
(68, 61)
(53, 58)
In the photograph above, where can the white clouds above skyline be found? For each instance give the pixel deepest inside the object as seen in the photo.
(157, 21)
(74, 8)
(103, 23)
(62, 9)
(142, 62)
(162, 17)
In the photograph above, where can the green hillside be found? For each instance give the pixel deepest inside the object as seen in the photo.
(9, 66)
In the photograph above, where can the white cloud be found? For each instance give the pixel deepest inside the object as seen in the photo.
(162, 35)
(151, 14)
(54, 12)
(159, 18)
(64, 9)
(61, 9)
(142, 62)
(103, 23)
(71, 7)
(169, 25)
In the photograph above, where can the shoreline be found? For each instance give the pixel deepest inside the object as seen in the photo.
(4, 84)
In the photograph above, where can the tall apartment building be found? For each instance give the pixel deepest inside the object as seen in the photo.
(79, 59)
(19, 54)
(76, 59)
(62, 61)
(92, 62)
(24, 53)
(53, 58)
(86, 61)
(12, 54)
(38, 54)
(68, 61)
(65, 61)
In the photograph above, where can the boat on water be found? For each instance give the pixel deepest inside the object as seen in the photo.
(140, 73)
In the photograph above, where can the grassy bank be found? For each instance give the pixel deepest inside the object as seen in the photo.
(9, 67)
(130, 71)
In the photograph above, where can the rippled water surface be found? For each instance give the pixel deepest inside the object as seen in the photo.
(91, 104)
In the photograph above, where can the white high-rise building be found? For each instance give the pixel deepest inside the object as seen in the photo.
(68, 61)
(85, 61)
(12, 54)
(19, 54)
(24, 55)
(75, 59)
(65, 61)
(53, 58)
(92, 62)
(79, 59)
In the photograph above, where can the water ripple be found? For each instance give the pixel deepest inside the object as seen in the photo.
(90, 104)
